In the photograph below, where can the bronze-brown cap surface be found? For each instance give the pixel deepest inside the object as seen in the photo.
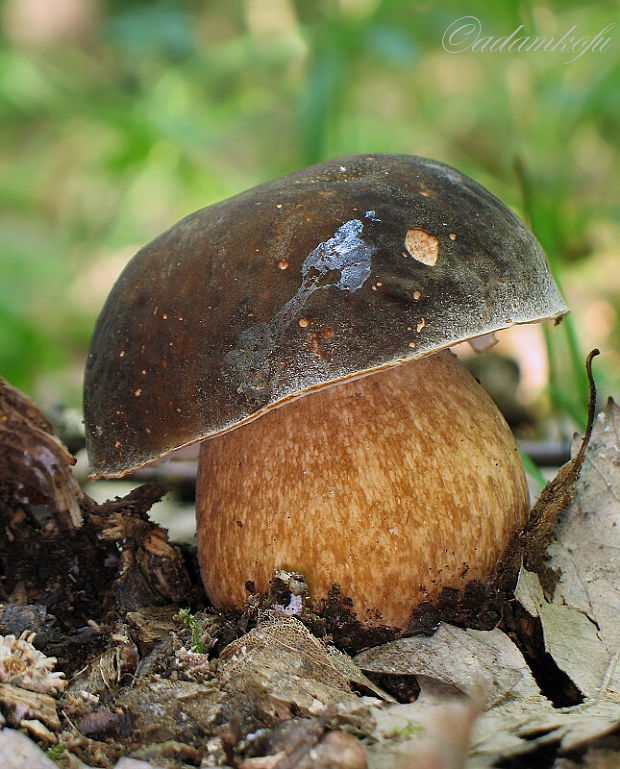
(350, 265)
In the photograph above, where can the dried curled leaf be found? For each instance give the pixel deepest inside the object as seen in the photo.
(35, 468)
(286, 670)
(557, 495)
(580, 619)
(473, 661)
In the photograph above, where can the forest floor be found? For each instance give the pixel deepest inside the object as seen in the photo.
(110, 655)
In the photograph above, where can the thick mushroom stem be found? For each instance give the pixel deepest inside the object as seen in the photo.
(392, 486)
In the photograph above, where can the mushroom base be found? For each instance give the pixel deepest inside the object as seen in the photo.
(395, 487)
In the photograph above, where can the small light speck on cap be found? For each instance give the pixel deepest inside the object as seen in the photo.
(422, 246)
(304, 322)
(283, 264)
(417, 295)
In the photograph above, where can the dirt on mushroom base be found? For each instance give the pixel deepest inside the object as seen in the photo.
(258, 690)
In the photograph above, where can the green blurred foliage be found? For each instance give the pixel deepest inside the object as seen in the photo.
(149, 110)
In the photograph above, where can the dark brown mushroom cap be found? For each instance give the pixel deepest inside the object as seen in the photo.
(340, 268)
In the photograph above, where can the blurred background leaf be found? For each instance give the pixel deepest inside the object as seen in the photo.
(119, 117)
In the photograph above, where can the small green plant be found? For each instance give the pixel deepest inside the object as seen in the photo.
(407, 730)
(55, 752)
(190, 621)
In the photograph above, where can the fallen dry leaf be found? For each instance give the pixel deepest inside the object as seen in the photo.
(287, 671)
(473, 661)
(581, 622)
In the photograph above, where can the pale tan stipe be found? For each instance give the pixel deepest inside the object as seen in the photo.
(392, 486)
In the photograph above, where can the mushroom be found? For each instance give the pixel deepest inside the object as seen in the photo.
(301, 330)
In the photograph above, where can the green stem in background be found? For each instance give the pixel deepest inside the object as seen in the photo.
(562, 399)
(320, 107)
(571, 402)
(532, 469)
